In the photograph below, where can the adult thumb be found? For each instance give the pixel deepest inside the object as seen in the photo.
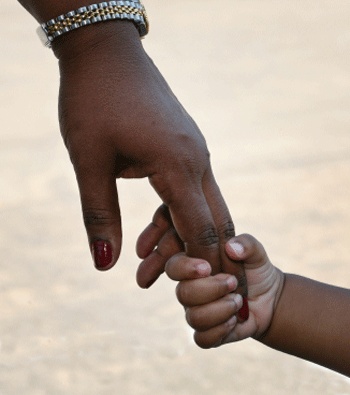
(101, 214)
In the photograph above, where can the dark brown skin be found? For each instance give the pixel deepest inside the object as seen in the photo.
(289, 313)
(119, 118)
(312, 321)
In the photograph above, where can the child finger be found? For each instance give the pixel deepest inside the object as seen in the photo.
(215, 337)
(181, 267)
(205, 290)
(247, 249)
(203, 318)
(153, 233)
(154, 264)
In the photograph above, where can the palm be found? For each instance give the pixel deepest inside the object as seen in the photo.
(264, 281)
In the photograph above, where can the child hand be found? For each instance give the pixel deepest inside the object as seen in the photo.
(210, 303)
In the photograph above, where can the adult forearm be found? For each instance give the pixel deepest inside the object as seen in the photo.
(312, 321)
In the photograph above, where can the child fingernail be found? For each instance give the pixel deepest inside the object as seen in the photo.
(231, 283)
(102, 254)
(203, 269)
(243, 313)
(232, 322)
(238, 300)
(237, 248)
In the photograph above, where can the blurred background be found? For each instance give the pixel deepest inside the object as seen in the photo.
(268, 82)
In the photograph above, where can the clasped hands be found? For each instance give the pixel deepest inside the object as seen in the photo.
(119, 119)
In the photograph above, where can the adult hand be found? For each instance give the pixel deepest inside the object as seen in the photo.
(160, 241)
(119, 118)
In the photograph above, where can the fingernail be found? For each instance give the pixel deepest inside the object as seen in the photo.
(243, 313)
(102, 254)
(238, 300)
(203, 269)
(237, 248)
(232, 322)
(231, 283)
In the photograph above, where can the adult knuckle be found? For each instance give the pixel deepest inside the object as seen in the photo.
(81, 158)
(208, 237)
(94, 216)
(190, 152)
(227, 229)
(162, 186)
(191, 138)
(73, 129)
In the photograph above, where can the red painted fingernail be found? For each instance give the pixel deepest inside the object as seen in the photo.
(102, 254)
(243, 313)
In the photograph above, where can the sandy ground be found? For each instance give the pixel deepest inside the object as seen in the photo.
(268, 82)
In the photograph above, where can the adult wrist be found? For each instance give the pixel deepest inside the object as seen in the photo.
(117, 37)
(114, 10)
(61, 25)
